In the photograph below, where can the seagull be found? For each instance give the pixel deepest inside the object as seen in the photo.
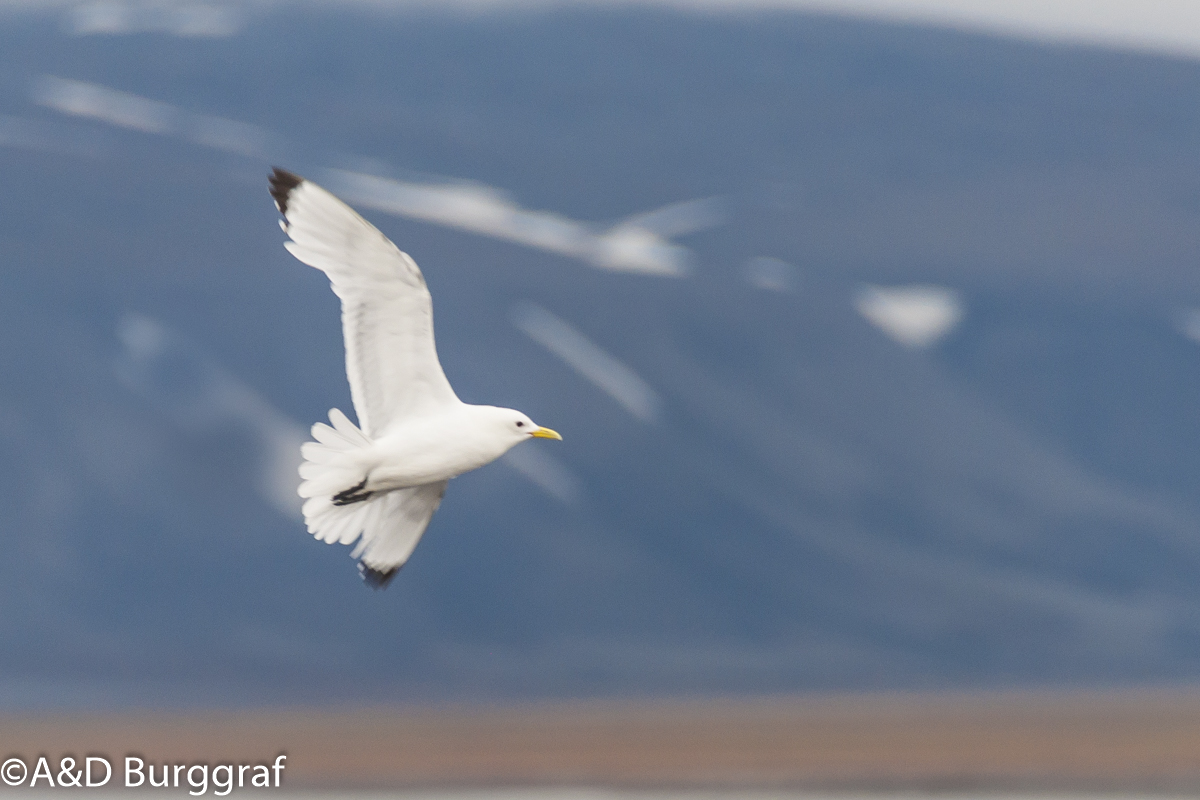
(380, 482)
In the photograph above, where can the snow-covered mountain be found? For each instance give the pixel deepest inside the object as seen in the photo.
(874, 349)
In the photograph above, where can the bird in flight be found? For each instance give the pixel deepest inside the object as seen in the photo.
(380, 482)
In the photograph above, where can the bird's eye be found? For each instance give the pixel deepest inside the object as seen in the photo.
(520, 424)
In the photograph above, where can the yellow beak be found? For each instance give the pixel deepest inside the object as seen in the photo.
(546, 433)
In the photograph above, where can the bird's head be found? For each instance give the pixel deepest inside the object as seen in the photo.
(520, 427)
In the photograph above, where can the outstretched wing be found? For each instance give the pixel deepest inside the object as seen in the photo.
(387, 313)
(394, 526)
(391, 524)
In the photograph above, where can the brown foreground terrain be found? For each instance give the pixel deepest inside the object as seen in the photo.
(1111, 741)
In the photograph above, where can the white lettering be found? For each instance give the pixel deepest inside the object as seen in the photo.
(42, 770)
(166, 776)
(65, 776)
(203, 785)
(129, 770)
(227, 785)
(107, 770)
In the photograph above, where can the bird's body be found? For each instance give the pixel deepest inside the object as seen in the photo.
(429, 448)
(383, 479)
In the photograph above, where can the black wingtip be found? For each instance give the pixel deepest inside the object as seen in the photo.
(377, 578)
(282, 183)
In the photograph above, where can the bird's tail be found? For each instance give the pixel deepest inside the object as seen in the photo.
(339, 509)
(336, 508)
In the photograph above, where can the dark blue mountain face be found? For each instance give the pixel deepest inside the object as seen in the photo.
(812, 506)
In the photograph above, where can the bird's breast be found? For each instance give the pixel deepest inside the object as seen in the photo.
(418, 454)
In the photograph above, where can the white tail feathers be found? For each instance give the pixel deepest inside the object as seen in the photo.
(329, 468)
(343, 524)
(391, 523)
(329, 464)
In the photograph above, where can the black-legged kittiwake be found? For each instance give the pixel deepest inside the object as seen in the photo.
(383, 479)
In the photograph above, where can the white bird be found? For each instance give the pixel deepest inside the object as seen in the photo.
(383, 479)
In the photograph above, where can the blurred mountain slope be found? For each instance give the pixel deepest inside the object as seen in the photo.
(815, 505)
